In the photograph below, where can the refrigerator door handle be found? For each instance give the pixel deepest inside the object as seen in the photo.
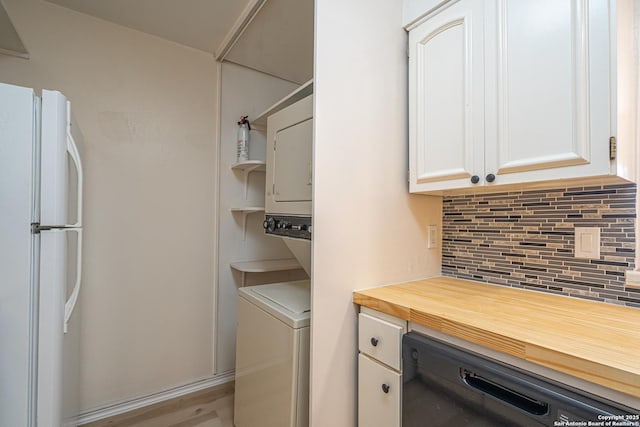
(72, 149)
(70, 304)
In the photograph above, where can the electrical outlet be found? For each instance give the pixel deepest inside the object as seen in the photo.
(587, 242)
(432, 236)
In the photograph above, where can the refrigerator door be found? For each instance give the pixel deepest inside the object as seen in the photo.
(53, 268)
(18, 273)
(54, 173)
(58, 361)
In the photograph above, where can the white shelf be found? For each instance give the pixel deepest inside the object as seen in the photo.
(250, 166)
(246, 211)
(265, 266)
(246, 168)
(249, 209)
(260, 122)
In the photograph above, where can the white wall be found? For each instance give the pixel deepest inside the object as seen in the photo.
(147, 110)
(244, 92)
(368, 231)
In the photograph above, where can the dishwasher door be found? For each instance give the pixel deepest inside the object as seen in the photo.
(447, 386)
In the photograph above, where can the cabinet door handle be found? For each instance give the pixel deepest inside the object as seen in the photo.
(385, 388)
(374, 341)
(475, 179)
(490, 178)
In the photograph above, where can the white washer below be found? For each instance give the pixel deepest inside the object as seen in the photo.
(272, 355)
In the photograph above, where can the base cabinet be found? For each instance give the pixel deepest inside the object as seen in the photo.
(379, 394)
(379, 369)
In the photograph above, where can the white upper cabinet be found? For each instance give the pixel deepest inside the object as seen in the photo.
(512, 92)
(446, 82)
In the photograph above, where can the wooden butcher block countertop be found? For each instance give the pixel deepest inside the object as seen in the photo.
(594, 341)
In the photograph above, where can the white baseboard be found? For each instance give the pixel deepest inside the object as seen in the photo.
(151, 399)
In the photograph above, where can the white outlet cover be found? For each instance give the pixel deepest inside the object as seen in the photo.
(432, 237)
(587, 242)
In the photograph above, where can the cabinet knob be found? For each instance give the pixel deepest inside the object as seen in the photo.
(475, 179)
(374, 341)
(490, 178)
(385, 388)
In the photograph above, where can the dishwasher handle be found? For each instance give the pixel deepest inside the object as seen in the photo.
(500, 392)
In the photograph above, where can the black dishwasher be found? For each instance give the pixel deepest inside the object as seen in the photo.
(448, 386)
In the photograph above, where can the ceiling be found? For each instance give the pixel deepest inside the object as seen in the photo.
(277, 41)
(200, 24)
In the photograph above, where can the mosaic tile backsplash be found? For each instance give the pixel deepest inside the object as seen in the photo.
(525, 239)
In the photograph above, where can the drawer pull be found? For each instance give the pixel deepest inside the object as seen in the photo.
(374, 341)
(385, 388)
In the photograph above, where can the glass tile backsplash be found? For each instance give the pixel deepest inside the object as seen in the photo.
(525, 239)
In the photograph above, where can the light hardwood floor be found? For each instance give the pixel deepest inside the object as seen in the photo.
(212, 407)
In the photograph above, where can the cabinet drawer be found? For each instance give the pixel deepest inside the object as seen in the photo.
(379, 394)
(380, 339)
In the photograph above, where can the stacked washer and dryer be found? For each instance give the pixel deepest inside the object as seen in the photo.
(272, 349)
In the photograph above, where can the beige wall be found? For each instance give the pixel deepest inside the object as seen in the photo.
(147, 110)
(368, 230)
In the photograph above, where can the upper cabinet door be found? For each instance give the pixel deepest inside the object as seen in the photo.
(547, 89)
(446, 104)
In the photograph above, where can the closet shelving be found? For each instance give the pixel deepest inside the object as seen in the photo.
(265, 266)
(245, 169)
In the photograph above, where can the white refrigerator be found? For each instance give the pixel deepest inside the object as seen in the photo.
(40, 259)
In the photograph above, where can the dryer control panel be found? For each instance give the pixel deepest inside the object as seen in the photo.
(297, 227)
